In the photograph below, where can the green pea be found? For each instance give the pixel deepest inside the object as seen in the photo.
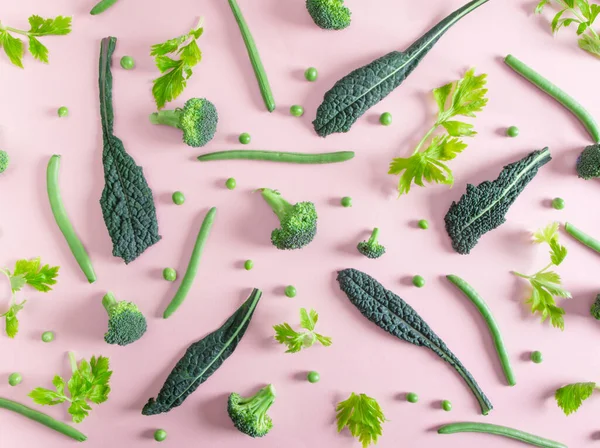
(127, 62)
(446, 406)
(418, 281)
(346, 201)
(411, 397)
(313, 377)
(160, 435)
(537, 357)
(249, 264)
(178, 198)
(15, 379)
(311, 74)
(244, 138)
(423, 224)
(385, 118)
(296, 110)
(230, 183)
(63, 111)
(558, 203)
(169, 274)
(48, 336)
(512, 131)
(290, 291)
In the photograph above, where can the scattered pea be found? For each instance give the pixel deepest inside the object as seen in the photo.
(296, 110)
(558, 203)
(446, 406)
(127, 62)
(311, 74)
(411, 397)
(230, 183)
(15, 379)
(63, 111)
(418, 281)
(244, 138)
(385, 118)
(160, 435)
(48, 336)
(313, 377)
(169, 274)
(512, 131)
(537, 357)
(290, 291)
(249, 264)
(178, 198)
(423, 224)
(346, 201)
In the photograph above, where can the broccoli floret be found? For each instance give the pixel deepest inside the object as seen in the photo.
(588, 162)
(371, 248)
(198, 120)
(595, 310)
(298, 221)
(249, 415)
(3, 161)
(126, 323)
(329, 14)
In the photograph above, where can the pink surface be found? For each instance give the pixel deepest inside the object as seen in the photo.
(362, 357)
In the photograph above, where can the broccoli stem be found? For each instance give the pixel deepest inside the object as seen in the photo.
(73, 361)
(280, 206)
(109, 301)
(374, 236)
(260, 403)
(166, 117)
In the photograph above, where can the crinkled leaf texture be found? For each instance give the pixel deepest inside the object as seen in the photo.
(127, 202)
(483, 207)
(394, 315)
(202, 359)
(364, 87)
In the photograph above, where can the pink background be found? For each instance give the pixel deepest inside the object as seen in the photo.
(362, 358)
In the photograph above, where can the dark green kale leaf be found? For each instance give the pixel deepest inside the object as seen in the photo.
(127, 202)
(364, 87)
(394, 315)
(202, 359)
(483, 207)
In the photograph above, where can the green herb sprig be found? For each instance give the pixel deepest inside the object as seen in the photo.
(570, 397)
(296, 341)
(363, 417)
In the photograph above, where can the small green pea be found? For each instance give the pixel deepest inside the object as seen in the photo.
(290, 291)
(249, 264)
(296, 110)
(446, 406)
(63, 111)
(418, 281)
(48, 336)
(537, 357)
(127, 62)
(313, 377)
(385, 118)
(15, 379)
(558, 203)
(230, 183)
(512, 131)
(169, 274)
(411, 397)
(178, 198)
(346, 201)
(160, 435)
(244, 138)
(311, 74)
(423, 224)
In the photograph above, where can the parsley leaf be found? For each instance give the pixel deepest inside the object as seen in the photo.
(570, 397)
(296, 341)
(549, 235)
(35, 275)
(363, 417)
(11, 321)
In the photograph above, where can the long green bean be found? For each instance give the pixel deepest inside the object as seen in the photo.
(192, 269)
(278, 156)
(63, 222)
(485, 311)
(498, 430)
(102, 6)
(42, 418)
(582, 237)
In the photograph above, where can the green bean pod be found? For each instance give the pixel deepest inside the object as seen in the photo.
(582, 237)
(63, 222)
(558, 94)
(102, 6)
(485, 311)
(42, 418)
(192, 269)
(498, 430)
(278, 156)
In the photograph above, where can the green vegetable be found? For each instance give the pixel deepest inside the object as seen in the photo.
(329, 14)
(558, 203)
(503, 431)
(14, 379)
(127, 202)
(446, 406)
(4, 161)
(89, 383)
(460, 98)
(545, 284)
(202, 359)
(298, 222)
(248, 265)
(313, 377)
(418, 281)
(42, 418)
(595, 308)
(290, 291)
(423, 224)
(63, 222)
(63, 111)
(175, 72)
(588, 162)
(363, 417)
(127, 62)
(230, 183)
(582, 237)
(160, 435)
(512, 131)
(278, 156)
(296, 341)
(394, 315)
(570, 397)
(411, 397)
(194, 263)
(483, 207)
(311, 74)
(257, 65)
(26, 272)
(385, 118)
(126, 323)
(38, 27)
(249, 414)
(537, 357)
(296, 110)
(245, 138)
(555, 92)
(371, 248)
(583, 14)
(486, 313)
(169, 274)
(47, 336)
(178, 198)
(102, 6)
(364, 87)
(346, 201)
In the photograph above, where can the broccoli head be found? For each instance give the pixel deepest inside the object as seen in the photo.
(329, 14)
(595, 310)
(3, 161)
(249, 415)
(198, 120)
(588, 162)
(298, 222)
(126, 323)
(371, 248)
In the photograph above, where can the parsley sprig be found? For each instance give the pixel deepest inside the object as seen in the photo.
(38, 27)
(363, 417)
(463, 98)
(570, 397)
(546, 284)
(296, 341)
(576, 12)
